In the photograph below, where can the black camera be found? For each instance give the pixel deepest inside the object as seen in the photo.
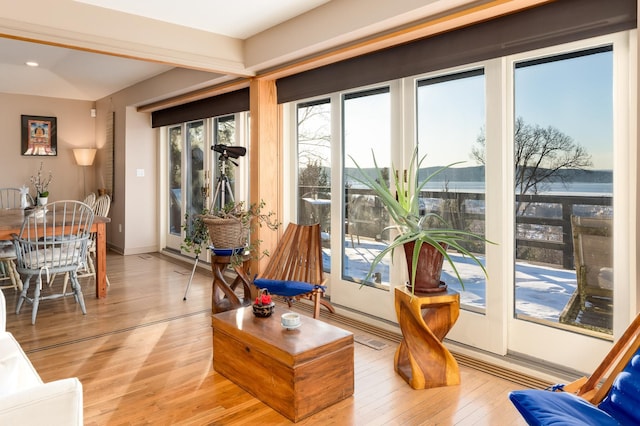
(230, 151)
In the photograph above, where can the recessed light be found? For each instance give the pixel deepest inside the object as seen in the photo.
(32, 64)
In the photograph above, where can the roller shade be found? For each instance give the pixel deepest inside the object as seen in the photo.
(227, 103)
(548, 25)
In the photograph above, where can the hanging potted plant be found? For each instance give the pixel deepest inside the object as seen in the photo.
(230, 226)
(196, 233)
(425, 246)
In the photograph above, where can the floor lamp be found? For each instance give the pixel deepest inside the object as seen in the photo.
(84, 158)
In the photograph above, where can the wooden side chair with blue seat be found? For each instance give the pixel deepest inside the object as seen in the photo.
(53, 239)
(610, 396)
(295, 267)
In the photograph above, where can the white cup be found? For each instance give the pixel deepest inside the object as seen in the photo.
(290, 320)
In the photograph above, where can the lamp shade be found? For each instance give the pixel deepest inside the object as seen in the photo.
(84, 156)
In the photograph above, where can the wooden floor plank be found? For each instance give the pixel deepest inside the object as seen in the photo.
(144, 356)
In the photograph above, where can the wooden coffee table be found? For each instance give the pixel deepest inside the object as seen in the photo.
(296, 372)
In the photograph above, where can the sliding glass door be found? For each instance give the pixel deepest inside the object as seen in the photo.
(542, 151)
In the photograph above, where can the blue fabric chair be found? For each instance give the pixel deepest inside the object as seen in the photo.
(586, 401)
(295, 267)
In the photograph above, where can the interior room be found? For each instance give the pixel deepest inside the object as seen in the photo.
(313, 110)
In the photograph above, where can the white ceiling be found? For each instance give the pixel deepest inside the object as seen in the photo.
(75, 74)
(239, 18)
(85, 46)
(68, 74)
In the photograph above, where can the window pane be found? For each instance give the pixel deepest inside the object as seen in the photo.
(175, 180)
(451, 120)
(225, 173)
(314, 169)
(195, 183)
(563, 136)
(366, 129)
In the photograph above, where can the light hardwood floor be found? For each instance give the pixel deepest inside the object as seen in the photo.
(144, 356)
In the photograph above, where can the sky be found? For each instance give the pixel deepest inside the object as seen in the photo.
(574, 95)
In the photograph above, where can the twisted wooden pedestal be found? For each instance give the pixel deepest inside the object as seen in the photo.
(425, 319)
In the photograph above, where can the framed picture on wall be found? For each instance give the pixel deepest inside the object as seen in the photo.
(39, 135)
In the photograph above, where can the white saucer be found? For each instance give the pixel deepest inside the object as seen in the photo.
(291, 327)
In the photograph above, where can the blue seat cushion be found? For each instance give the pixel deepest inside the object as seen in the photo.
(286, 288)
(623, 399)
(539, 407)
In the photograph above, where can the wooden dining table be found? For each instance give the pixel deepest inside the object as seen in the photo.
(11, 222)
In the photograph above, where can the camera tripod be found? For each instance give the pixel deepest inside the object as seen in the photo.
(223, 188)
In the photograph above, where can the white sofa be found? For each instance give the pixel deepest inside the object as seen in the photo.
(24, 398)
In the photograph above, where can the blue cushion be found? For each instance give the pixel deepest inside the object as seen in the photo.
(539, 407)
(623, 399)
(285, 288)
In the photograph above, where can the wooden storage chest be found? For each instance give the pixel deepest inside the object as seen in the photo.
(296, 372)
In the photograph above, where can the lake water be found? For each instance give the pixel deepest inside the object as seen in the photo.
(574, 188)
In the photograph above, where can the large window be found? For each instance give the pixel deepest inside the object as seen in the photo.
(536, 147)
(197, 174)
(174, 173)
(366, 133)
(451, 122)
(563, 147)
(314, 169)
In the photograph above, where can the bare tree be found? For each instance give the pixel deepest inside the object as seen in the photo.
(540, 156)
(314, 134)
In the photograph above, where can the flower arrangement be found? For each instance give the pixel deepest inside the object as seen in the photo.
(263, 305)
(264, 298)
(41, 184)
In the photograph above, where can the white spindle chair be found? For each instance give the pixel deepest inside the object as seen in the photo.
(53, 239)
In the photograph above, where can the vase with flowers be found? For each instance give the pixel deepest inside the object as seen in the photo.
(41, 185)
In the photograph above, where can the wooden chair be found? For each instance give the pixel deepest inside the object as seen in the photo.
(100, 207)
(53, 239)
(10, 199)
(609, 396)
(295, 267)
(90, 199)
(593, 254)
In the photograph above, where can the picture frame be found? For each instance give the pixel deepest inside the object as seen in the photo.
(39, 136)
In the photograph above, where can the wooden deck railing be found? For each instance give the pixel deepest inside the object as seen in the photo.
(544, 224)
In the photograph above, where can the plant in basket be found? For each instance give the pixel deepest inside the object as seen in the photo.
(230, 226)
(263, 306)
(196, 233)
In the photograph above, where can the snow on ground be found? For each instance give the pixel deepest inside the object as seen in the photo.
(541, 291)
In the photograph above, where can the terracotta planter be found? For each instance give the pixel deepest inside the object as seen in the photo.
(428, 271)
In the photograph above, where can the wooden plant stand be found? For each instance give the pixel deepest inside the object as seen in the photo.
(223, 297)
(425, 319)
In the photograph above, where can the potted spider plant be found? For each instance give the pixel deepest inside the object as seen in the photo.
(425, 246)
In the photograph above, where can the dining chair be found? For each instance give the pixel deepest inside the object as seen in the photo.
(53, 239)
(90, 199)
(10, 198)
(101, 207)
